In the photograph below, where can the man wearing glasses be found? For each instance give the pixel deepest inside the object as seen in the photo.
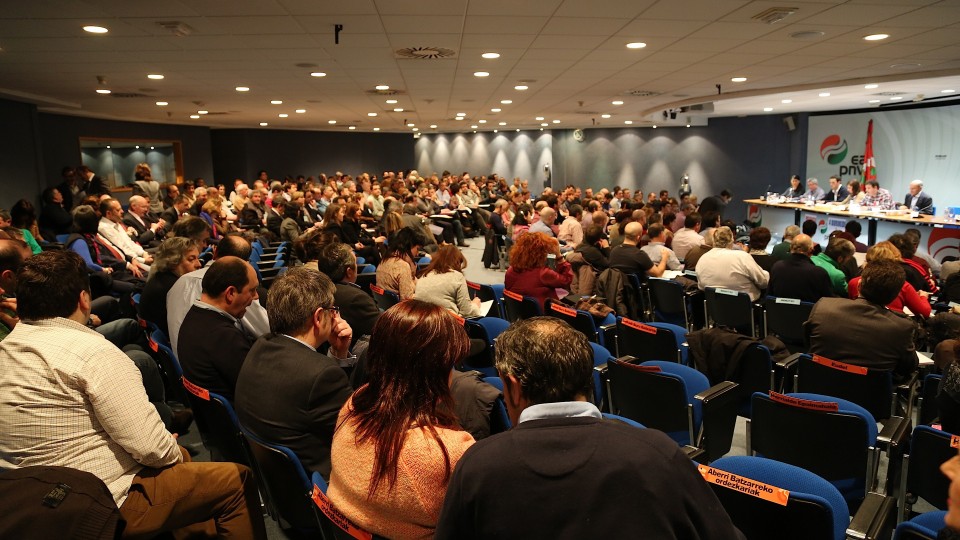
(306, 388)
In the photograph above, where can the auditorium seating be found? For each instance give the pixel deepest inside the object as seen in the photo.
(651, 341)
(920, 475)
(731, 309)
(784, 318)
(923, 527)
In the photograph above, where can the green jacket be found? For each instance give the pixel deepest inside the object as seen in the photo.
(837, 277)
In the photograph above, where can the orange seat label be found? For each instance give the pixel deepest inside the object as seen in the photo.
(474, 286)
(564, 310)
(459, 319)
(198, 391)
(375, 289)
(955, 441)
(336, 517)
(511, 294)
(630, 323)
(840, 366)
(826, 406)
(744, 485)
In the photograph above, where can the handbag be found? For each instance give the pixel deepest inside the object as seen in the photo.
(594, 307)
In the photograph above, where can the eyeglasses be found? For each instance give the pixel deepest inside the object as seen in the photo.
(334, 309)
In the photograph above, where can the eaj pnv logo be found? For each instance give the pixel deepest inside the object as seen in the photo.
(833, 149)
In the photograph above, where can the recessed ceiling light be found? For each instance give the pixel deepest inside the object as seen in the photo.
(541, 129)
(459, 118)
(381, 87)
(411, 124)
(481, 74)
(391, 102)
(490, 55)
(102, 91)
(768, 109)
(604, 116)
(352, 127)
(461, 114)
(617, 102)
(283, 115)
(433, 126)
(654, 126)
(948, 91)
(483, 121)
(874, 101)
(300, 111)
(636, 45)
(876, 37)
(496, 130)
(276, 102)
(331, 121)
(495, 109)
(539, 118)
(108, 146)
(474, 126)
(520, 87)
(155, 76)
(137, 147)
(95, 29)
(376, 129)
(871, 86)
(503, 123)
(688, 125)
(371, 114)
(506, 101)
(518, 130)
(556, 121)
(738, 79)
(242, 89)
(544, 124)
(824, 94)
(628, 122)
(203, 112)
(318, 74)
(896, 98)
(264, 124)
(162, 104)
(785, 101)
(398, 109)
(415, 129)
(194, 116)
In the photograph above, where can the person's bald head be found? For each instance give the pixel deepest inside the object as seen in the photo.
(802, 244)
(233, 245)
(548, 215)
(632, 232)
(12, 255)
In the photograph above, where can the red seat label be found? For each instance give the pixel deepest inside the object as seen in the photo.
(840, 366)
(336, 517)
(630, 323)
(826, 406)
(200, 392)
(376, 290)
(744, 485)
(564, 310)
(513, 295)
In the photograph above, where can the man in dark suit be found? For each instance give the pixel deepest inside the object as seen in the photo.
(339, 263)
(212, 343)
(150, 228)
(95, 185)
(275, 219)
(797, 276)
(837, 192)
(306, 388)
(171, 215)
(917, 200)
(863, 331)
(560, 444)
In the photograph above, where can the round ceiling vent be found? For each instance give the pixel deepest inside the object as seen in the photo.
(425, 53)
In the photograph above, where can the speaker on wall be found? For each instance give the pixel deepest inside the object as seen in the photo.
(791, 125)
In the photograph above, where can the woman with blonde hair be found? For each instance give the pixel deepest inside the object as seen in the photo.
(442, 283)
(915, 301)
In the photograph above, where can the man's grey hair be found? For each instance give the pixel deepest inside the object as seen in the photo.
(814, 181)
(295, 296)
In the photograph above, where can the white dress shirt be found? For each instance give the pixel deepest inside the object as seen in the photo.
(684, 240)
(732, 269)
(116, 233)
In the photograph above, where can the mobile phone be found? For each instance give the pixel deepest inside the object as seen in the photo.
(552, 261)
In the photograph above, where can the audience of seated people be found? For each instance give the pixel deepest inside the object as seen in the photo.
(728, 266)
(536, 267)
(442, 283)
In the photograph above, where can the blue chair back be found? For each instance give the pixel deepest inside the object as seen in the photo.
(601, 356)
(921, 473)
(624, 419)
(519, 307)
(729, 308)
(651, 341)
(870, 388)
(486, 329)
(669, 302)
(926, 526)
(489, 293)
(384, 298)
(499, 418)
(784, 318)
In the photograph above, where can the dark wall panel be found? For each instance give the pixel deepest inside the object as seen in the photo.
(20, 166)
(309, 153)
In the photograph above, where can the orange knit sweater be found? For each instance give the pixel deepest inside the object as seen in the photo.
(411, 507)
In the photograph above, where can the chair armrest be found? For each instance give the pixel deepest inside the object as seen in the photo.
(911, 382)
(716, 391)
(695, 454)
(601, 368)
(720, 405)
(874, 515)
(790, 361)
(895, 432)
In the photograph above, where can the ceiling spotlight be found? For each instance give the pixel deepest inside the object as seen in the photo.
(300, 111)
(490, 55)
(539, 118)
(433, 126)
(137, 147)
(474, 126)
(318, 74)
(483, 121)
(242, 89)
(461, 114)
(398, 109)
(518, 130)
(688, 125)
(331, 121)
(352, 127)
(415, 129)
(155, 76)
(264, 124)
(459, 118)
(108, 147)
(617, 102)
(151, 148)
(283, 115)
(194, 116)
(896, 98)
(381, 87)
(503, 123)
(876, 37)
(506, 101)
(391, 102)
(556, 121)
(481, 74)
(604, 116)
(948, 91)
(102, 91)
(874, 101)
(871, 86)
(495, 109)
(738, 79)
(162, 104)
(411, 124)
(203, 112)
(785, 101)
(95, 29)
(276, 102)
(541, 129)
(768, 109)
(654, 126)
(824, 94)
(628, 122)
(544, 124)
(520, 87)
(496, 131)
(636, 45)
(371, 114)
(376, 129)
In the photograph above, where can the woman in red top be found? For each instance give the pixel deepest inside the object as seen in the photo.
(916, 302)
(529, 275)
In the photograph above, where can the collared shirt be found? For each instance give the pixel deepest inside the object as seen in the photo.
(815, 194)
(684, 240)
(561, 409)
(654, 249)
(187, 289)
(376, 205)
(71, 398)
(540, 226)
(571, 231)
(732, 269)
(882, 199)
(116, 233)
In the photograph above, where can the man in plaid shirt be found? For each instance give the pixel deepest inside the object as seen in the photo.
(877, 196)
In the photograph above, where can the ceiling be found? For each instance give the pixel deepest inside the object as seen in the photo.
(571, 54)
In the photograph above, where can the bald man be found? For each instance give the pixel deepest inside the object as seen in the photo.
(917, 200)
(628, 257)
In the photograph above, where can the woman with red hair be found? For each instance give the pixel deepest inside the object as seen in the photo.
(530, 274)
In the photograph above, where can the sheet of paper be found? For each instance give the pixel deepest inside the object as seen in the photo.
(924, 359)
(670, 274)
(485, 307)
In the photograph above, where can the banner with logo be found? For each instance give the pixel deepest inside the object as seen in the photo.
(908, 144)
